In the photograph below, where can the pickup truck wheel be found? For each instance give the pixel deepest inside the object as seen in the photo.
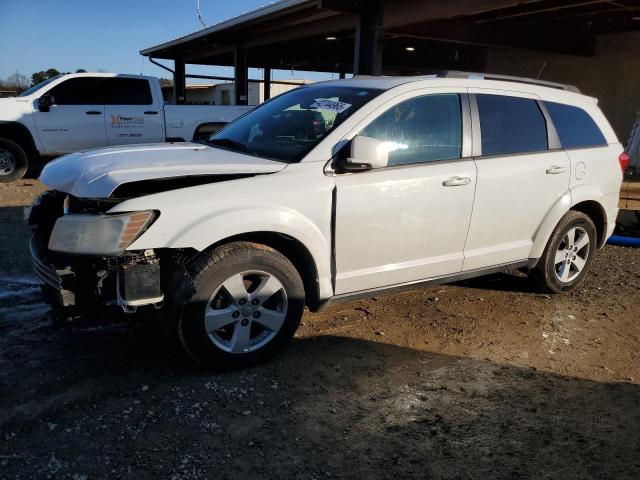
(568, 254)
(13, 161)
(248, 303)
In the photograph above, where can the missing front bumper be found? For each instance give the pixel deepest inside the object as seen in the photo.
(129, 282)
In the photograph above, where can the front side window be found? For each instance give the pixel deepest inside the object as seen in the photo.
(511, 125)
(127, 91)
(77, 91)
(575, 127)
(423, 129)
(287, 127)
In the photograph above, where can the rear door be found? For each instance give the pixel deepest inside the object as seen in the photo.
(76, 120)
(131, 114)
(519, 178)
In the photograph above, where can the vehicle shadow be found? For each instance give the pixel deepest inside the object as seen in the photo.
(505, 282)
(116, 399)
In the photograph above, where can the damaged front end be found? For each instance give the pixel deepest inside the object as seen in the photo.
(79, 253)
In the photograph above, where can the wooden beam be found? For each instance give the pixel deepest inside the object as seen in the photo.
(179, 83)
(241, 74)
(369, 40)
(267, 83)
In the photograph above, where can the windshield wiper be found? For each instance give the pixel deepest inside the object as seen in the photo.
(233, 144)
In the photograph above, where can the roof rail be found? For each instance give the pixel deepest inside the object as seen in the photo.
(508, 78)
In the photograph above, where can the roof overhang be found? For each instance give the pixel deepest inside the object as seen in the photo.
(320, 34)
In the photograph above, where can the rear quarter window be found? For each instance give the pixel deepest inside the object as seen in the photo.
(575, 127)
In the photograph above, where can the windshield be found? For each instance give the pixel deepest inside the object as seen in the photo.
(37, 87)
(287, 127)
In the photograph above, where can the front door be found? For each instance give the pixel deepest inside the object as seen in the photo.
(408, 221)
(131, 114)
(76, 120)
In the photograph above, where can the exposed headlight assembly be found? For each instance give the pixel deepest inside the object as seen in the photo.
(98, 234)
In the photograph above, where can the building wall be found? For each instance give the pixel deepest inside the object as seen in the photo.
(224, 93)
(612, 75)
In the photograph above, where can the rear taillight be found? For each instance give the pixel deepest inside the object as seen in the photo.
(624, 161)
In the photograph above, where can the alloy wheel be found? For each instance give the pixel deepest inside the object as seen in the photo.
(572, 254)
(246, 312)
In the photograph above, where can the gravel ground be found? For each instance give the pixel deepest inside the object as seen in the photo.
(482, 379)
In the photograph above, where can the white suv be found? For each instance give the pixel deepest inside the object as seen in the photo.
(330, 192)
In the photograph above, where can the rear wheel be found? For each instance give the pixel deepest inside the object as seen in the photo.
(568, 254)
(248, 303)
(13, 161)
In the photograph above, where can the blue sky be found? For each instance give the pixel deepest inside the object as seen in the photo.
(106, 34)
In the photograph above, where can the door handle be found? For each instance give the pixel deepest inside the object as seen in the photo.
(150, 112)
(555, 170)
(456, 181)
(93, 112)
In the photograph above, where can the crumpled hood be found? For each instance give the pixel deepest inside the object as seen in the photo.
(97, 173)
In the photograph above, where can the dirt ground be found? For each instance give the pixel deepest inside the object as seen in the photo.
(483, 379)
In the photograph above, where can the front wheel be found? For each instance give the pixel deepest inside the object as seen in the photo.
(13, 161)
(248, 303)
(568, 254)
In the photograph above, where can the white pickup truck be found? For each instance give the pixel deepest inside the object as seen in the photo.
(81, 111)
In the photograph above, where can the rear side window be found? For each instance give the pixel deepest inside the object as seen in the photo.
(77, 91)
(127, 91)
(511, 125)
(575, 127)
(423, 129)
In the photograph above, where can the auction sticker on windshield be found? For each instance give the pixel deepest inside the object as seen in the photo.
(331, 105)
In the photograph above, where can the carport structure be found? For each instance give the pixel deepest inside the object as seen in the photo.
(552, 39)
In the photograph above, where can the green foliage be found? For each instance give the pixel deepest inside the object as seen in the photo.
(41, 76)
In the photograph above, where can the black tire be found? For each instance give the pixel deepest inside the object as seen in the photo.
(209, 272)
(546, 271)
(13, 161)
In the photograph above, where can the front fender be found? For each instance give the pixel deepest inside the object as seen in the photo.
(214, 228)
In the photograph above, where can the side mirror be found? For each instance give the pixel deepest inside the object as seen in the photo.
(45, 102)
(367, 153)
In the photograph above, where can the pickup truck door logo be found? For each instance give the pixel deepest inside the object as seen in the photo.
(132, 121)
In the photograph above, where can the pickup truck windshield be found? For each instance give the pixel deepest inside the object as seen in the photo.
(37, 87)
(287, 127)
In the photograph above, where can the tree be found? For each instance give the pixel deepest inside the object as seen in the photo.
(16, 82)
(165, 82)
(20, 81)
(81, 70)
(41, 76)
